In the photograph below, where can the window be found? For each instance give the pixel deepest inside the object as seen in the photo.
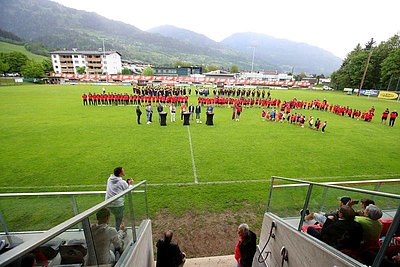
(56, 67)
(55, 61)
(75, 56)
(76, 61)
(54, 56)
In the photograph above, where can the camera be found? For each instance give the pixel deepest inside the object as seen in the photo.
(356, 201)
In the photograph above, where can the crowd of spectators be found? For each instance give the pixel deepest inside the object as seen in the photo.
(356, 233)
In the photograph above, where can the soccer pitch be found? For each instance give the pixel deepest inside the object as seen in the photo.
(49, 139)
(201, 178)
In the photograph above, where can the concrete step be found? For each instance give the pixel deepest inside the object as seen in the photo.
(217, 261)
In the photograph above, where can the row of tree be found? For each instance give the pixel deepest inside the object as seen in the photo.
(17, 62)
(383, 71)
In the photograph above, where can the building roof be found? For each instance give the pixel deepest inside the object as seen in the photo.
(77, 52)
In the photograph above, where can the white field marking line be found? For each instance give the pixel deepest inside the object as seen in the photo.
(159, 184)
(192, 155)
(192, 183)
(350, 176)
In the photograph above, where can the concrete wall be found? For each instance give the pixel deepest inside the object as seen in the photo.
(141, 253)
(301, 248)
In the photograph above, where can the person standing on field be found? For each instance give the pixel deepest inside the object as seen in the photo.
(149, 113)
(393, 116)
(172, 109)
(138, 113)
(84, 98)
(191, 110)
(385, 115)
(198, 111)
(324, 126)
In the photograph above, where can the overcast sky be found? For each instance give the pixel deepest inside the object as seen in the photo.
(334, 25)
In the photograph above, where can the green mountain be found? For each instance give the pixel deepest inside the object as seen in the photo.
(59, 27)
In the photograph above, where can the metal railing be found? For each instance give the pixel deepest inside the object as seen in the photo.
(339, 186)
(29, 245)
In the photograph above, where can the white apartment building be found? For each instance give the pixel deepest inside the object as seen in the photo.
(95, 62)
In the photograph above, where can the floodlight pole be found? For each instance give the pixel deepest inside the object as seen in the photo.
(104, 59)
(252, 61)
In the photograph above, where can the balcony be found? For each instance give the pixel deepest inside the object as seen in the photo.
(55, 233)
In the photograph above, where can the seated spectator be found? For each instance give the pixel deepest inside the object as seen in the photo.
(371, 225)
(106, 239)
(320, 217)
(341, 233)
(168, 252)
(364, 202)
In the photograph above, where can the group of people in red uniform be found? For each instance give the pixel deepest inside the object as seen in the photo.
(125, 99)
(392, 117)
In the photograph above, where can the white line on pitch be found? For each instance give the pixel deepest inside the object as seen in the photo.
(192, 155)
(199, 183)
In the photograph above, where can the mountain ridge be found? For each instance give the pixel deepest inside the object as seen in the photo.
(60, 27)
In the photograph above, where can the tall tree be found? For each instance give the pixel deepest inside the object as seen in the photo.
(391, 68)
(32, 69)
(234, 69)
(15, 60)
(148, 71)
(211, 68)
(370, 44)
(4, 67)
(47, 65)
(126, 71)
(81, 70)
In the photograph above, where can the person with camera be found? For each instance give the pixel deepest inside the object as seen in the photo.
(116, 185)
(321, 217)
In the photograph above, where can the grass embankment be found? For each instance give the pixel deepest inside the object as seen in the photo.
(8, 48)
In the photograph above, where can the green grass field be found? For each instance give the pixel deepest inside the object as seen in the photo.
(51, 142)
(8, 48)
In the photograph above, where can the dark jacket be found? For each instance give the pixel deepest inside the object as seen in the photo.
(168, 254)
(342, 234)
(247, 249)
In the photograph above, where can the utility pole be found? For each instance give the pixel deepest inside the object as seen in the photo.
(390, 81)
(365, 72)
